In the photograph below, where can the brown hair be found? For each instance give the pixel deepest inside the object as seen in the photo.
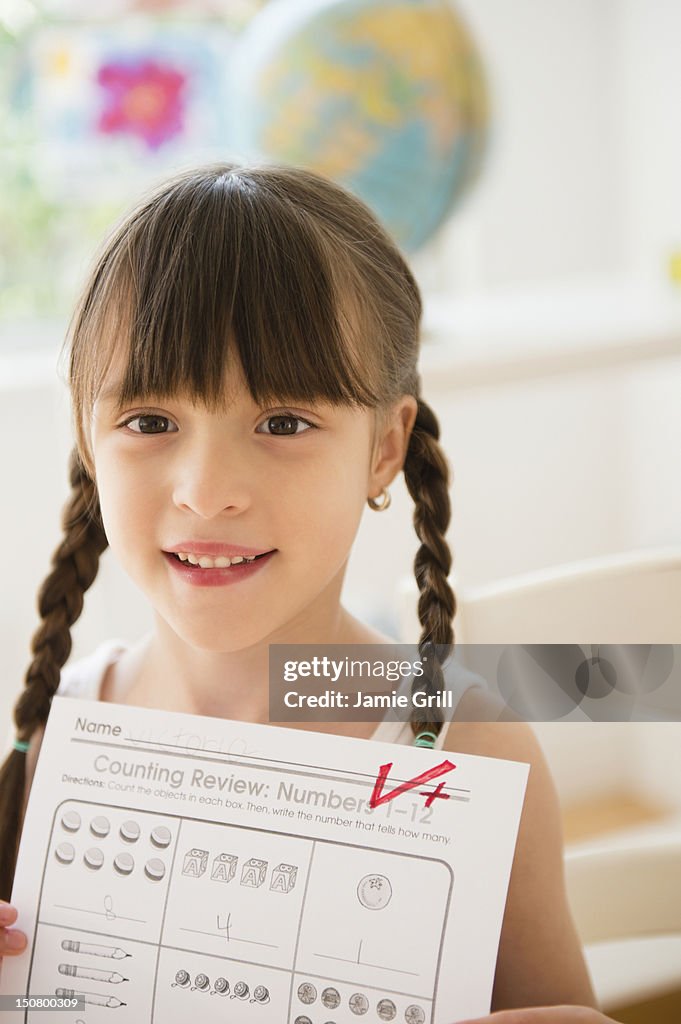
(224, 262)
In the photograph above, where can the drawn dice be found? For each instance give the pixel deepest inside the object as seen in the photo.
(283, 877)
(195, 863)
(224, 867)
(253, 872)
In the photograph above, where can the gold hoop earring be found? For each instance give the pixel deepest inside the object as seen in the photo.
(383, 505)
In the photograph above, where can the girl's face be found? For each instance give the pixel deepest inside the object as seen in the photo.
(288, 479)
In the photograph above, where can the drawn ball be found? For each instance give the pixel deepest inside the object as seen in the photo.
(65, 853)
(129, 831)
(71, 821)
(100, 826)
(94, 858)
(161, 836)
(374, 892)
(155, 869)
(124, 863)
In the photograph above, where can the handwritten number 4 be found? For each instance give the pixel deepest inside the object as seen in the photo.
(379, 797)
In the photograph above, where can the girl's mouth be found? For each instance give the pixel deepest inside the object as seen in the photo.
(218, 575)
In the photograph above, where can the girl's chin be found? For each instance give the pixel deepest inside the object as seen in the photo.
(217, 639)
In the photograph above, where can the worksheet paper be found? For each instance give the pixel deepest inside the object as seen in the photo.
(177, 867)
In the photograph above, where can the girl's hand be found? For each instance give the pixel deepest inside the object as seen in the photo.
(12, 941)
(545, 1015)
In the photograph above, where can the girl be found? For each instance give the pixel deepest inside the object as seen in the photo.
(243, 369)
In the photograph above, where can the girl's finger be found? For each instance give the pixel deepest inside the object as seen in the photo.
(8, 913)
(12, 942)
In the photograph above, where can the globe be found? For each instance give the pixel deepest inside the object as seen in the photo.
(386, 97)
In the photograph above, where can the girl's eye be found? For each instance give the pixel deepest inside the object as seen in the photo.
(149, 423)
(284, 424)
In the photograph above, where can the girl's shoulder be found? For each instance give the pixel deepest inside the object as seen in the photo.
(83, 678)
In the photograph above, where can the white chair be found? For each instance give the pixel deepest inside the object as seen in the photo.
(624, 890)
(625, 893)
(630, 598)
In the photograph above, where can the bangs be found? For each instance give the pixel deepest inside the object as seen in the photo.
(207, 274)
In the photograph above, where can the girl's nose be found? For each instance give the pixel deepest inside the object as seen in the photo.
(212, 479)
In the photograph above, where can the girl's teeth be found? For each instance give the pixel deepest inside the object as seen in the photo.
(205, 562)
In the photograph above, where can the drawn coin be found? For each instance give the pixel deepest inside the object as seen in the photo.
(302, 1020)
(71, 821)
(201, 981)
(359, 1003)
(414, 1015)
(130, 831)
(330, 998)
(374, 892)
(65, 853)
(99, 826)
(241, 990)
(155, 869)
(94, 858)
(386, 1009)
(161, 836)
(261, 994)
(307, 993)
(182, 978)
(124, 863)
(221, 985)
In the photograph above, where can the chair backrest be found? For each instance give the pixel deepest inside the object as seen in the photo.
(625, 891)
(630, 598)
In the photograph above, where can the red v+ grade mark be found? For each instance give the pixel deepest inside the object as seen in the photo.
(379, 797)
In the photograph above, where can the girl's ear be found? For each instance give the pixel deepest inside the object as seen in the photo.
(390, 448)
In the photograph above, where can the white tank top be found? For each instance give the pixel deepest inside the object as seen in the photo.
(83, 679)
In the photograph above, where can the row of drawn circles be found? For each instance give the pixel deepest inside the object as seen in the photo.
(123, 862)
(130, 831)
(221, 987)
(358, 1003)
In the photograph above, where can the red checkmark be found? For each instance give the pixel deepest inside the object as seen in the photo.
(379, 797)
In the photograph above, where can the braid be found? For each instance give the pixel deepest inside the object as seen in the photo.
(427, 476)
(60, 602)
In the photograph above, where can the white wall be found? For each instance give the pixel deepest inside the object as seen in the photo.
(545, 472)
(549, 202)
(647, 110)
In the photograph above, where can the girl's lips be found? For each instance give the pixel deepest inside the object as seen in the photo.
(214, 549)
(199, 577)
